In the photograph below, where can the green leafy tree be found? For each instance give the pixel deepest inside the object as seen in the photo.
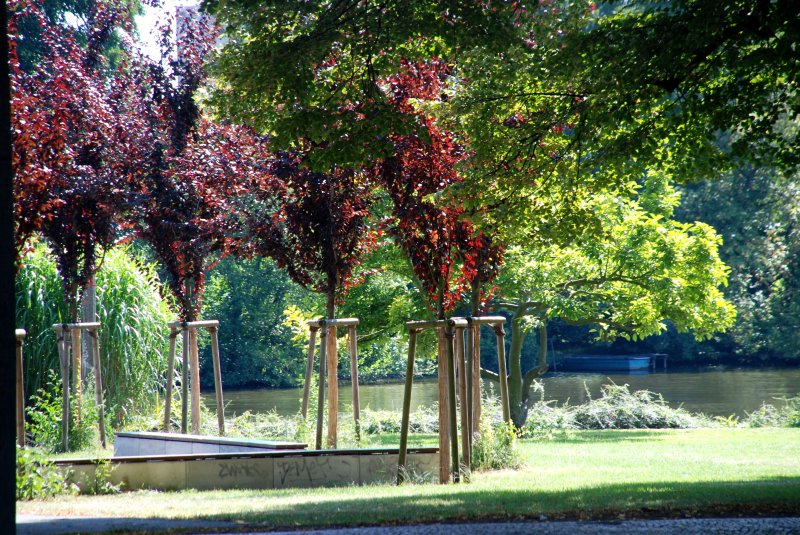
(249, 298)
(642, 269)
(316, 70)
(756, 212)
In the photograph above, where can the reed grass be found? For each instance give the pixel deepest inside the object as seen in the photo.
(133, 336)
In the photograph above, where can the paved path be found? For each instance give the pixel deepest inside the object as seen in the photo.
(39, 525)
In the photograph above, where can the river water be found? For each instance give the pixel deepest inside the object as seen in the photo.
(713, 391)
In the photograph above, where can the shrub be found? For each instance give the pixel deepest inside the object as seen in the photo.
(44, 418)
(768, 415)
(38, 477)
(619, 408)
(494, 448)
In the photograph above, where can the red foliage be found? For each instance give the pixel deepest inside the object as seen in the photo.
(186, 169)
(66, 148)
(481, 260)
(434, 237)
(314, 225)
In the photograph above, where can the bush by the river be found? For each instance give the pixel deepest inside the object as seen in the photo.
(616, 408)
(768, 415)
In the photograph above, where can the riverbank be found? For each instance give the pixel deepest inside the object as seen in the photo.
(580, 474)
(711, 391)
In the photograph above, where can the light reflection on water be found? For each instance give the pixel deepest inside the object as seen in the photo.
(713, 391)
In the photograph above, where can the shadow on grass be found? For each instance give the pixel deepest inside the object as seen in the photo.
(429, 503)
(415, 504)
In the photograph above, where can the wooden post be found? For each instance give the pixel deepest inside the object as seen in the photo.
(20, 390)
(475, 332)
(451, 398)
(94, 337)
(463, 374)
(333, 386)
(185, 379)
(323, 352)
(77, 355)
(194, 367)
(63, 356)
(170, 379)
(401, 461)
(444, 419)
(309, 371)
(217, 379)
(501, 366)
(353, 342)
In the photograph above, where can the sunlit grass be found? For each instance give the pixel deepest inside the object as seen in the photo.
(586, 471)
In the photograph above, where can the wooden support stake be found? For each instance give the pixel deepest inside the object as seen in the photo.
(323, 352)
(170, 379)
(185, 380)
(94, 338)
(451, 397)
(463, 374)
(444, 419)
(476, 379)
(401, 461)
(194, 359)
(63, 356)
(353, 342)
(333, 386)
(501, 367)
(309, 372)
(77, 385)
(217, 379)
(20, 390)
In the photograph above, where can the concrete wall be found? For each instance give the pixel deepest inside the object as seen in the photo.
(257, 472)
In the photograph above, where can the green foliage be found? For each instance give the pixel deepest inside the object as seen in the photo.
(756, 212)
(329, 60)
(257, 348)
(768, 415)
(588, 100)
(44, 418)
(38, 478)
(495, 447)
(643, 268)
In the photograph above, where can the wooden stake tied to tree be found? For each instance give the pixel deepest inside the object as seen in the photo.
(328, 330)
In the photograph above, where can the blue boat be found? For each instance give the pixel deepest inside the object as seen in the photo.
(617, 363)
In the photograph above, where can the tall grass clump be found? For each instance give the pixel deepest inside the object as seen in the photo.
(133, 336)
(40, 303)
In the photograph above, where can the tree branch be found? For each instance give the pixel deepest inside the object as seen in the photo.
(486, 374)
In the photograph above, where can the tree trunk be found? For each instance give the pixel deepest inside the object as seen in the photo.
(519, 410)
(88, 314)
(475, 301)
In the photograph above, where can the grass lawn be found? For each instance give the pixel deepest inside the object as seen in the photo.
(590, 474)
